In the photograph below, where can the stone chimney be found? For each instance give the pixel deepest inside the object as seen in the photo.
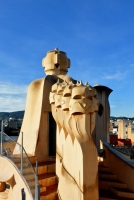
(56, 63)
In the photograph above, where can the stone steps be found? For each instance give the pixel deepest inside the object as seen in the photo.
(108, 195)
(107, 175)
(107, 179)
(17, 159)
(50, 193)
(45, 167)
(28, 172)
(29, 176)
(122, 192)
(42, 188)
(31, 182)
(17, 162)
(47, 179)
(110, 188)
(27, 169)
(105, 184)
(102, 168)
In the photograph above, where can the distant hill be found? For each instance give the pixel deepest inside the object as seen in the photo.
(20, 115)
(16, 115)
(130, 118)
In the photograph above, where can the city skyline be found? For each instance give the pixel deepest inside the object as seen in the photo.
(98, 37)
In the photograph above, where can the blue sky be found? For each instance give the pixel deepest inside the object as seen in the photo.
(97, 35)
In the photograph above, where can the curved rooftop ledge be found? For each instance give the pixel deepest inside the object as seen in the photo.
(118, 154)
(12, 176)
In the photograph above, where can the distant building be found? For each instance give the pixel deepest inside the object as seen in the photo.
(131, 131)
(12, 126)
(123, 128)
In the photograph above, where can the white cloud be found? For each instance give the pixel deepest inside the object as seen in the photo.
(12, 97)
(10, 88)
(117, 76)
(119, 102)
(10, 104)
(131, 65)
(112, 106)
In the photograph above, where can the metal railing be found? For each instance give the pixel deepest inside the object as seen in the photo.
(17, 154)
(23, 194)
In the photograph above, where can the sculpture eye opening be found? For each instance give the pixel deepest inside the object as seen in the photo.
(66, 109)
(67, 95)
(89, 97)
(57, 65)
(78, 97)
(100, 110)
(77, 113)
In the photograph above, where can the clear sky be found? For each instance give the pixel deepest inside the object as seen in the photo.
(97, 35)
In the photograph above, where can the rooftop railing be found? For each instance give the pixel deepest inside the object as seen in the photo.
(17, 154)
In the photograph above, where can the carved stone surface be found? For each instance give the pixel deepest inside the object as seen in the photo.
(102, 118)
(56, 62)
(73, 108)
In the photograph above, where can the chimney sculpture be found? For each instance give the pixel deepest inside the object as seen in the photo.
(73, 108)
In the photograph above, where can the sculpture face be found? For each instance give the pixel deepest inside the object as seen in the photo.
(81, 92)
(58, 98)
(66, 97)
(82, 100)
(77, 98)
(51, 98)
(80, 106)
(65, 103)
(54, 88)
